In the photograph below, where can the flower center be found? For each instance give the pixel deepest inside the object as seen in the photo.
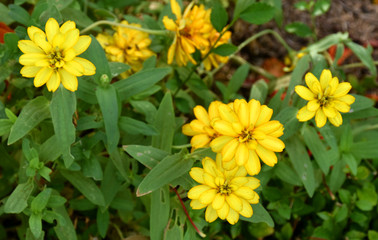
(323, 101)
(56, 58)
(224, 189)
(245, 136)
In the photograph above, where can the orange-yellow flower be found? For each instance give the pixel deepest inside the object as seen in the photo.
(191, 32)
(224, 194)
(246, 134)
(52, 57)
(326, 99)
(213, 59)
(127, 45)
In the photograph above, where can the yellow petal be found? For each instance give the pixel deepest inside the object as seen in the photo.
(51, 28)
(74, 68)
(234, 202)
(54, 82)
(333, 85)
(255, 199)
(243, 113)
(32, 30)
(172, 50)
(252, 183)
(313, 105)
(69, 81)
(320, 118)
(265, 115)
(218, 143)
(241, 172)
(67, 26)
(224, 128)
(196, 204)
(230, 165)
(342, 89)
(29, 71)
(200, 141)
(337, 120)
(278, 132)
(313, 83)
(329, 111)
(272, 144)
(254, 111)
(213, 110)
(209, 166)
(244, 192)
(239, 181)
(227, 114)
(267, 156)
(89, 68)
(197, 126)
(40, 41)
(269, 127)
(187, 46)
(82, 44)
(341, 106)
(31, 58)
(232, 217)
(304, 93)
(304, 114)
(218, 202)
(208, 196)
(241, 154)
(223, 211)
(325, 78)
(247, 209)
(210, 214)
(229, 150)
(188, 131)
(348, 99)
(209, 180)
(69, 55)
(201, 114)
(197, 174)
(195, 192)
(176, 9)
(253, 165)
(71, 38)
(43, 76)
(27, 46)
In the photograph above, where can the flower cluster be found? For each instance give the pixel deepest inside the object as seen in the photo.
(51, 57)
(224, 194)
(326, 99)
(193, 30)
(127, 45)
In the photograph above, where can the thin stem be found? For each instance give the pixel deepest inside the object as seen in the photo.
(355, 65)
(181, 146)
(254, 68)
(105, 22)
(187, 214)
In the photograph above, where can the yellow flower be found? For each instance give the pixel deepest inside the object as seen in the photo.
(191, 32)
(213, 59)
(51, 57)
(225, 194)
(128, 46)
(246, 135)
(327, 99)
(201, 128)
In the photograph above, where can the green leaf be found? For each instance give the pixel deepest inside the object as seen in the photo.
(111, 183)
(326, 42)
(160, 208)
(107, 99)
(337, 177)
(219, 16)
(372, 235)
(241, 6)
(17, 201)
(4, 13)
(321, 7)
(133, 126)
(286, 173)
(364, 55)
(85, 185)
(258, 13)
(80, 18)
(367, 197)
(365, 149)
(116, 68)
(64, 230)
(5, 126)
(288, 117)
(34, 112)
(40, 201)
(225, 49)
(62, 108)
(19, 14)
(259, 91)
(56, 200)
(170, 168)
(102, 220)
(140, 81)
(351, 161)
(260, 214)
(237, 81)
(92, 168)
(299, 28)
(361, 103)
(346, 139)
(35, 224)
(165, 123)
(147, 155)
(301, 163)
(50, 150)
(317, 148)
(30, 236)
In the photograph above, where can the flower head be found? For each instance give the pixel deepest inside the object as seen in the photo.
(127, 45)
(191, 32)
(51, 57)
(246, 134)
(213, 59)
(224, 194)
(200, 128)
(326, 99)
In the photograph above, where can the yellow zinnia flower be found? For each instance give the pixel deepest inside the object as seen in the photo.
(127, 45)
(327, 99)
(225, 194)
(213, 59)
(247, 135)
(51, 57)
(191, 32)
(201, 128)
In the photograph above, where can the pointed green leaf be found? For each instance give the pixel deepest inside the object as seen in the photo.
(64, 230)
(41, 200)
(225, 49)
(219, 16)
(260, 214)
(103, 220)
(259, 91)
(258, 13)
(147, 155)
(35, 224)
(160, 208)
(364, 55)
(17, 201)
(34, 112)
(133, 126)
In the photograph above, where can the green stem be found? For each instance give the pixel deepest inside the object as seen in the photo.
(355, 65)
(181, 146)
(105, 22)
(254, 68)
